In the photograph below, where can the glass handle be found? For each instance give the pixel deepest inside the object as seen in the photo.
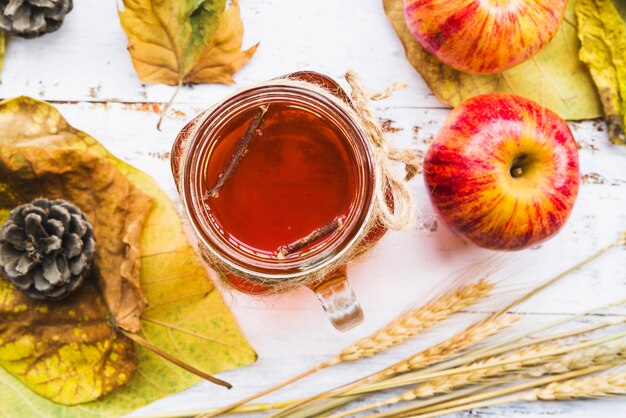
(338, 300)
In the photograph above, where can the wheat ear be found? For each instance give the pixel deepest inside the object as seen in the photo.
(502, 365)
(492, 367)
(589, 387)
(490, 396)
(407, 325)
(614, 351)
(411, 323)
(492, 317)
(469, 361)
(468, 337)
(499, 358)
(597, 386)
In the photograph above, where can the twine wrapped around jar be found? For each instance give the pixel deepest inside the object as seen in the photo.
(393, 205)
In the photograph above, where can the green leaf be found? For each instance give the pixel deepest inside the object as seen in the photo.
(555, 77)
(186, 315)
(602, 32)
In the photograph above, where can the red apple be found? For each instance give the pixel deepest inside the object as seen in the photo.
(503, 172)
(483, 36)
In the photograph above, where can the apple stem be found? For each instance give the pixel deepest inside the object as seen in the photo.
(517, 172)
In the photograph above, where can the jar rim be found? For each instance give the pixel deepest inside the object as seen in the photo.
(308, 262)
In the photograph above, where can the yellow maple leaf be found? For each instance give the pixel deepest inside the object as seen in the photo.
(183, 41)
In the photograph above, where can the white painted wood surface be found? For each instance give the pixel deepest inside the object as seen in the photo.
(85, 70)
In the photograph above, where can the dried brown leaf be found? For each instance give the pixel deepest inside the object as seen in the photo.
(115, 207)
(68, 351)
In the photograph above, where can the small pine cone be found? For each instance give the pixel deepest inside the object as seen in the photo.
(33, 18)
(46, 248)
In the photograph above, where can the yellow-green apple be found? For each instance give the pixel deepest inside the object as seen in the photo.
(503, 172)
(483, 36)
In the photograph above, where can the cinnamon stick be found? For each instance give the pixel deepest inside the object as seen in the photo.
(336, 225)
(240, 152)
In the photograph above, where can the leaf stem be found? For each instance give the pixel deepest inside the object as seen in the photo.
(169, 104)
(156, 350)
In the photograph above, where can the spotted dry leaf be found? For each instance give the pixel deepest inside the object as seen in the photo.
(115, 207)
(555, 77)
(184, 41)
(68, 351)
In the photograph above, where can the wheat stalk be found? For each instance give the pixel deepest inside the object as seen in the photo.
(468, 337)
(502, 365)
(605, 355)
(490, 367)
(445, 348)
(597, 386)
(414, 321)
(602, 354)
(589, 387)
(495, 396)
(407, 325)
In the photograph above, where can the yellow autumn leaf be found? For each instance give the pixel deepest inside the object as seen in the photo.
(555, 77)
(68, 351)
(602, 32)
(184, 41)
(186, 315)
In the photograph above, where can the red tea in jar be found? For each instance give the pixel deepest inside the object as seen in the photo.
(278, 183)
(298, 174)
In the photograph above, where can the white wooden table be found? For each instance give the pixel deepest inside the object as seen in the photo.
(86, 71)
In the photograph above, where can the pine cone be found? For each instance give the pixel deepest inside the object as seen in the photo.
(46, 248)
(32, 18)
